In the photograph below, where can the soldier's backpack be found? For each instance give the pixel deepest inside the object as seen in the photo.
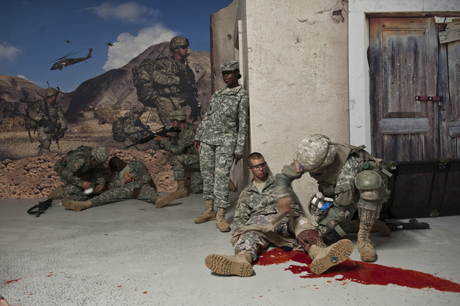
(118, 133)
(32, 108)
(147, 94)
(62, 163)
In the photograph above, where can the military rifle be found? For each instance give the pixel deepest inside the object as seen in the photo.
(161, 132)
(189, 92)
(412, 224)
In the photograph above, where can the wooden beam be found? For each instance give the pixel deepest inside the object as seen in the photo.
(452, 33)
(404, 126)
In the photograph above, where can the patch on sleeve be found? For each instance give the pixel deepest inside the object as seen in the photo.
(77, 166)
(298, 167)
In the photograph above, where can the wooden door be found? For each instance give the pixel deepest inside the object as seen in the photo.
(403, 60)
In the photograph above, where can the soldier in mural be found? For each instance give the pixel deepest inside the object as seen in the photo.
(168, 83)
(48, 118)
(82, 173)
(349, 178)
(133, 128)
(128, 181)
(220, 139)
(259, 221)
(185, 156)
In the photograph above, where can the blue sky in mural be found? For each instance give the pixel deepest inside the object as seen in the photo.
(34, 33)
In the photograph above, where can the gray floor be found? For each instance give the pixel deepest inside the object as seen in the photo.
(132, 253)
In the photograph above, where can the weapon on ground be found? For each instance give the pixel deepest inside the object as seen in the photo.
(161, 132)
(412, 224)
(41, 207)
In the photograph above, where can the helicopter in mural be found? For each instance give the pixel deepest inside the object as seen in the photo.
(65, 61)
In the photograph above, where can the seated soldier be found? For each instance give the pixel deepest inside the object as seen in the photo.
(80, 169)
(133, 128)
(257, 222)
(185, 156)
(129, 181)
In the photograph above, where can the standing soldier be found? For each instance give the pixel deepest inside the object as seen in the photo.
(349, 178)
(172, 80)
(50, 121)
(185, 155)
(220, 140)
(133, 128)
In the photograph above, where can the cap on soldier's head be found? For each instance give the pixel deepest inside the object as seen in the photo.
(100, 154)
(178, 115)
(138, 109)
(229, 65)
(178, 41)
(50, 91)
(316, 151)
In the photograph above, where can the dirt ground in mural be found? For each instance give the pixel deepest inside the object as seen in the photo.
(23, 174)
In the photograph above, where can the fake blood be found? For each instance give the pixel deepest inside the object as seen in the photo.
(359, 272)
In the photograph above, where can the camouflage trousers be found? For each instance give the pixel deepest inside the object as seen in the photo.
(192, 161)
(253, 243)
(125, 192)
(165, 106)
(44, 137)
(75, 193)
(215, 164)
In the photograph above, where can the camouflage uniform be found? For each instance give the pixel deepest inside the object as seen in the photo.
(255, 207)
(222, 133)
(336, 181)
(133, 128)
(119, 192)
(47, 115)
(185, 155)
(166, 77)
(77, 167)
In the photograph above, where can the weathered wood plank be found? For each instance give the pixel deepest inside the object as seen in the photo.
(454, 129)
(404, 126)
(452, 33)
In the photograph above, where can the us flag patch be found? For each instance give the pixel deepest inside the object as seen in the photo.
(77, 165)
(298, 167)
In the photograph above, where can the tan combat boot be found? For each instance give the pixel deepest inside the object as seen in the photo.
(77, 205)
(238, 264)
(208, 214)
(379, 226)
(221, 223)
(324, 257)
(365, 248)
(56, 193)
(181, 192)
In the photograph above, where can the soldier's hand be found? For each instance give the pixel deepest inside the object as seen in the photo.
(284, 205)
(86, 185)
(62, 133)
(158, 138)
(237, 158)
(197, 145)
(99, 188)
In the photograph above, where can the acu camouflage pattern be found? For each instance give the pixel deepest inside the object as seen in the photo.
(38, 113)
(184, 156)
(315, 152)
(133, 128)
(119, 192)
(226, 120)
(75, 168)
(222, 134)
(337, 181)
(158, 85)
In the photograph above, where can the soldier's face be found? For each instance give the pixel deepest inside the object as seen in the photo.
(258, 168)
(230, 78)
(50, 99)
(182, 51)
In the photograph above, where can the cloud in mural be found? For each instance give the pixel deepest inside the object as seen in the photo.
(128, 46)
(127, 12)
(7, 52)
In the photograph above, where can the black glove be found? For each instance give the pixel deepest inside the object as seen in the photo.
(62, 133)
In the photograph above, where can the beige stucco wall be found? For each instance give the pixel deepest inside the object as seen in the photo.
(296, 75)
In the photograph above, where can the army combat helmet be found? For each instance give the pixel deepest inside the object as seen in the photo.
(178, 41)
(368, 183)
(100, 154)
(178, 115)
(50, 91)
(316, 151)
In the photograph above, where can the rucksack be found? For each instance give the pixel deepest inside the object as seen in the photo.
(118, 133)
(32, 108)
(147, 94)
(62, 163)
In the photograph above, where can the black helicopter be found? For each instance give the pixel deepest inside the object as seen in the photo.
(64, 61)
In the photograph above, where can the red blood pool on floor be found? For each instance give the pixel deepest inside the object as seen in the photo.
(359, 272)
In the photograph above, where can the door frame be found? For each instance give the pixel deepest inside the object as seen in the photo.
(359, 12)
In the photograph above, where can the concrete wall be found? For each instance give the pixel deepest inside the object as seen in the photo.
(296, 70)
